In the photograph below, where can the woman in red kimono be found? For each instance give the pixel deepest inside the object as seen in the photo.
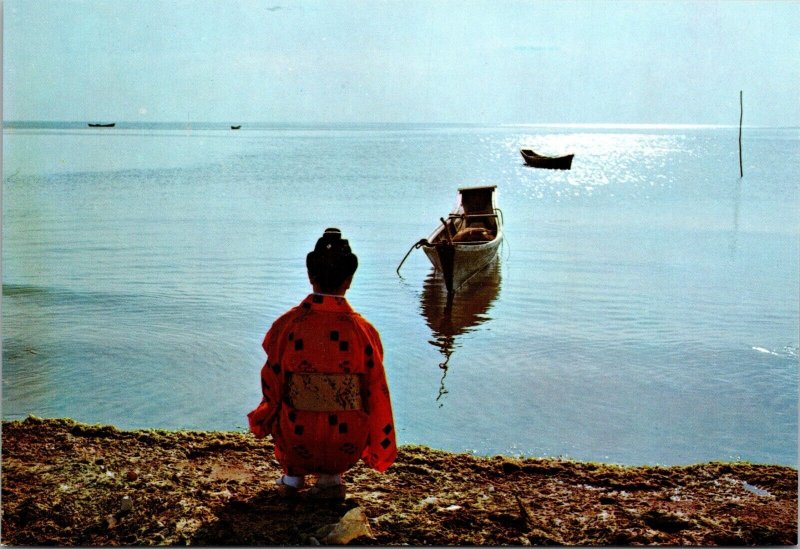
(325, 397)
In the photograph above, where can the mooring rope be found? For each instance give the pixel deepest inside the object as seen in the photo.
(417, 245)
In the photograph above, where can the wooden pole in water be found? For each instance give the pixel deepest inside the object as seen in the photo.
(741, 116)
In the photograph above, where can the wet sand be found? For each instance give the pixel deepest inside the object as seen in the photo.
(67, 483)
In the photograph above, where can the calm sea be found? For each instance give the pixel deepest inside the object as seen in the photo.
(644, 308)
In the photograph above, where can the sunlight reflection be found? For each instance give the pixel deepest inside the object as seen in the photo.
(601, 159)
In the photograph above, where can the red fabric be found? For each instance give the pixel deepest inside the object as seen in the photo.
(325, 335)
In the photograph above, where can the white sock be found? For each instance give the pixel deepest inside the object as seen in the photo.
(329, 480)
(294, 482)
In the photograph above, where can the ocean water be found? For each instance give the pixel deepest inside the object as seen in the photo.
(643, 310)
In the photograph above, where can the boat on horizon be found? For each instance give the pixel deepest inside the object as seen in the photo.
(236, 127)
(536, 160)
(468, 240)
(111, 125)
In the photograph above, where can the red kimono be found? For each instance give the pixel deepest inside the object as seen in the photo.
(325, 397)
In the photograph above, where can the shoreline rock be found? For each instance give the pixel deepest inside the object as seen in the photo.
(68, 483)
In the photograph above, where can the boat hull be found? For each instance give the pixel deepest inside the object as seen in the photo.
(547, 162)
(460, 262)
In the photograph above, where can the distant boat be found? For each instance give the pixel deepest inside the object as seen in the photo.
(236, 127)
(102, 125)
(548, 162)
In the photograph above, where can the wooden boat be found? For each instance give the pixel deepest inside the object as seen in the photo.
(548, 162)
(103, 125)
(236, 127)
(469, 239)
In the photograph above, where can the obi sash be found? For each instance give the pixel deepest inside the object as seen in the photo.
(323, 392)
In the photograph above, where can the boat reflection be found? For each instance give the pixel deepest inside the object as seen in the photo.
(449, 318)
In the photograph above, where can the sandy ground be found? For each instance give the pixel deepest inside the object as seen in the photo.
(67, 483)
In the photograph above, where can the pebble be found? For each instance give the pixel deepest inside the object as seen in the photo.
(509, 467)
(126, 505)
(131, 475)
(352, 525)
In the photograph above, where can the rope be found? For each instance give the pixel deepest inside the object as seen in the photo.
(417, 245)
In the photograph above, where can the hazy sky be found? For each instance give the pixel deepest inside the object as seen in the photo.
(402, 61)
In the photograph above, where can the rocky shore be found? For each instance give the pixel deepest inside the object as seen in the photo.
(67, 483)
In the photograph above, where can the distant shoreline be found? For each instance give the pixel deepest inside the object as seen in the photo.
(70, 483)
(262, 125)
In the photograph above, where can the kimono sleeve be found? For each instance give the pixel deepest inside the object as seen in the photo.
(262, 418)
(381, 449)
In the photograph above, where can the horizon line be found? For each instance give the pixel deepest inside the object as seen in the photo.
(576, 125)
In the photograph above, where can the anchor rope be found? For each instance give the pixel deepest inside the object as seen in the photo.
(415, 246)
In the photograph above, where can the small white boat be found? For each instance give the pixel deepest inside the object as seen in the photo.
(468, 240)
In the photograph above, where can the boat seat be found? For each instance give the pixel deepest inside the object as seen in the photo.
(473, 234)
(485, 220)
(474, 216)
